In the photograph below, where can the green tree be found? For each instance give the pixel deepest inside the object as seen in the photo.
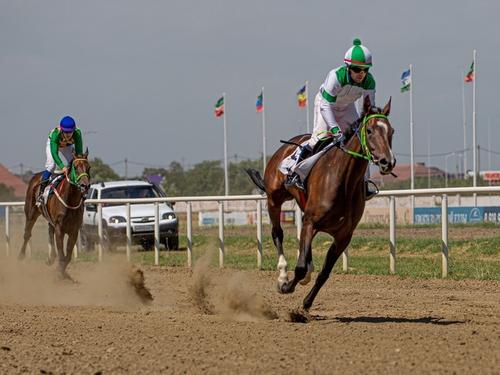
(205, 178)
(175, 180)
(101, 171)
(239, 182)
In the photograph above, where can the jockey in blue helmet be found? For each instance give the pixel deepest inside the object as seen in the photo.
(62, 139)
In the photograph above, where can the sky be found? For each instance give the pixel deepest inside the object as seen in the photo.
(141, 77)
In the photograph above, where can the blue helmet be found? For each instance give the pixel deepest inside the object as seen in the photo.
(67, 124)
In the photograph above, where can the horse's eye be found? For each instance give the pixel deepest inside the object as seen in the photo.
(368, 131)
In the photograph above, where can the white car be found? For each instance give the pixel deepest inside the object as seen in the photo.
(141, 216)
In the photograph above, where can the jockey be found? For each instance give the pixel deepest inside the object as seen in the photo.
(334, 108)
(64, 139)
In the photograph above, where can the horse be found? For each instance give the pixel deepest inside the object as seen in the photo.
(334, 200)
(63, 211)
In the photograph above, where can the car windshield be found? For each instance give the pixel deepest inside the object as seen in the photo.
(124, 192)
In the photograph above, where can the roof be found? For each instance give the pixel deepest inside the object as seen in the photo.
(111, 184)
(11, 180)
(403, 171)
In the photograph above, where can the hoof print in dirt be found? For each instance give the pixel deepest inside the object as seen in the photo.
(136, 279)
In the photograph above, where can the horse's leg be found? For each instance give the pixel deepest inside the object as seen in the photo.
(31, 216)
(70, 244)
(305, 257)
(60, 253)
(277, 234)
(52, 254)
(337, 247)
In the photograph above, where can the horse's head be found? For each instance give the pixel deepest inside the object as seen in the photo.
(80, 171)
(377, 133)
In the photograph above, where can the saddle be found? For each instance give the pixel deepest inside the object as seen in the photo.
(54, 182)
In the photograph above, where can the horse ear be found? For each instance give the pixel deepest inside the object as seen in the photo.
(86, 153)
(367, 104)
(387, 108)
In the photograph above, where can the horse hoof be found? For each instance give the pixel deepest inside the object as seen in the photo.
(285, 288)
(21, 256)
(306, 279)
(49, 261)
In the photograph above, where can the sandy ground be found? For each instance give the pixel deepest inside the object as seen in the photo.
(228, 321)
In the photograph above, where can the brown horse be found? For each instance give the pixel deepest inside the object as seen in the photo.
(335, 198)
(64, 211)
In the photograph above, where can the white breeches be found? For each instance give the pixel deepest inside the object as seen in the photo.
(344, 119)
(67, 153)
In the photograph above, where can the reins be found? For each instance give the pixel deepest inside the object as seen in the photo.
(360, 132)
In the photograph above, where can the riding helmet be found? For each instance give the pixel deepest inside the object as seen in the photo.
(358, 55)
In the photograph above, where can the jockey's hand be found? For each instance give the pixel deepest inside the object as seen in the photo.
(65, 171)
(340, 138)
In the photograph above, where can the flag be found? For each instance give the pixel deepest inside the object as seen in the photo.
(301, 97)
(470, 74)
(219, 107)
(406, 81)
(259, 105)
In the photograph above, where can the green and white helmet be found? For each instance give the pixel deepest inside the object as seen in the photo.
(358, 55)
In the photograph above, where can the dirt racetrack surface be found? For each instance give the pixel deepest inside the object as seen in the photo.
(228, 321)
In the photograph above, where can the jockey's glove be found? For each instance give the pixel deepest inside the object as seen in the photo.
(340, 138)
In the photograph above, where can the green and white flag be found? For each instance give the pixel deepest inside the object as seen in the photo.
(406, 81)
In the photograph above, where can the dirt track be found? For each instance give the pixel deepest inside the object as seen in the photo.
(213, 321)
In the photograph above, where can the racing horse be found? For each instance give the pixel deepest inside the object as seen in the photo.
(63, 211)
(335, 194)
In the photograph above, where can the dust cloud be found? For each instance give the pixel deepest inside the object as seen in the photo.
(112, 283)
(231, 296)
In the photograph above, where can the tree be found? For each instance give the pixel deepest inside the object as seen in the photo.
(205, 178)
(239, 182)
(175, 180)
(101, 171)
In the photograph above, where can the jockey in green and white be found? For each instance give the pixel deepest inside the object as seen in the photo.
(334, 108)
(62, 139)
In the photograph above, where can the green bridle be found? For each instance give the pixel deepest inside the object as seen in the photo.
(366, 153)
(73, 176)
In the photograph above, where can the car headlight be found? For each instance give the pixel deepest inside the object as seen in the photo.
(117, 219)
(168, 216)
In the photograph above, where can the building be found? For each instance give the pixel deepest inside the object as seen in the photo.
(403, 171)
(11, 180)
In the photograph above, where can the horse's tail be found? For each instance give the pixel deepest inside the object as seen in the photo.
(256, 178)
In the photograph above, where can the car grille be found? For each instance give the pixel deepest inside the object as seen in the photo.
(143, 220)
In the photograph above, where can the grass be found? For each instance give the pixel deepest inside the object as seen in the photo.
(418, 251)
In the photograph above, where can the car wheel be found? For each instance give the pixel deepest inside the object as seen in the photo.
(86, 242)
(172, 243)
(148, 245)
(107, 244)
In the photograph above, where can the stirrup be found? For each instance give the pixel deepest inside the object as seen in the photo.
(294, 180)
(370, 193)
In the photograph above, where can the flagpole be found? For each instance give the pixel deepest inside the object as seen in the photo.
(307, 107)
(412, 171)
(464, 119)
(264, 163)
(474, 139)
(226, 179)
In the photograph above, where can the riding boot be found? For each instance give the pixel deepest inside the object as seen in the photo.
(371, 189)
(43, 184)
(294, 179)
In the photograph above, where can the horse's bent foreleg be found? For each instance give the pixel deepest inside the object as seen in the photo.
(304, 261)
(52, 253)
(337, 247)
(31, 217)
(277, 234)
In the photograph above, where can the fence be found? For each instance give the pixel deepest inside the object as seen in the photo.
(391, 194)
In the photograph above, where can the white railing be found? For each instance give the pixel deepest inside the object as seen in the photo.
(392, 194)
